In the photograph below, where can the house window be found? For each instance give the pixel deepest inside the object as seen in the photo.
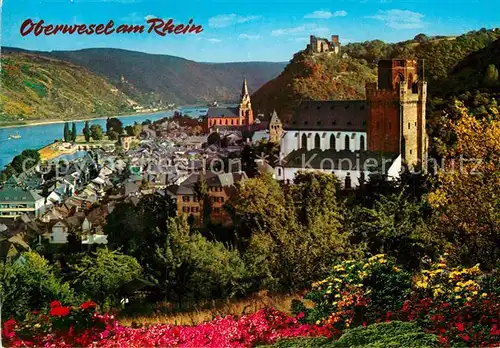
(362, 143)
(185, 209)
(279, 171)
(409, 125)
(304, 141)
(346, 142)
(317, 142)
(185, 198)
(332, 142)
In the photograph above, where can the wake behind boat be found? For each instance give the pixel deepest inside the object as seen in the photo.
(14, 136)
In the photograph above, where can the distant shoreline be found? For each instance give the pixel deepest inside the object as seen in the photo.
(42, 123)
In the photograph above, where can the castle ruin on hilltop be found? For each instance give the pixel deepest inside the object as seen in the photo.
(321, 45)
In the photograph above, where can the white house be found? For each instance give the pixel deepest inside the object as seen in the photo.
(16, 201)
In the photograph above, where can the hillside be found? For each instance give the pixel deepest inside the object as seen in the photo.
(36, 87)
(441, 54)
(154, 78)
(323, 76)
(319, 77)
(478, 70)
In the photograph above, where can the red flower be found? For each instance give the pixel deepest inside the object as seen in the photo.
(465, 338)
(60, 311)
(300, 315)
(92, 304)
(8, 328)
(55, 304)
(460, 327)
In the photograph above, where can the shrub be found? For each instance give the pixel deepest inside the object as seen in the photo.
(30, 283)
(303, 342)
(459, 304)
(359, 291)
(395, 334)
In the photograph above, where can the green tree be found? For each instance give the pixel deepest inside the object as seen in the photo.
(102, 275)
(67, 136)
(396, 226)
(30, 283)
(73, 133)
(491, 76)
(86, 131)
(201, 191)
(190, 267)
(96, 132)
(114, 125)
(214, 139)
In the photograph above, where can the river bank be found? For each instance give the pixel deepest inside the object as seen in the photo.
(28, 123)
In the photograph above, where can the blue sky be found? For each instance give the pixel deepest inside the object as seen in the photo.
(253, 30)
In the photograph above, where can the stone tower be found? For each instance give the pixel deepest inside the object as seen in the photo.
(396, 116)
(246, 114)
(275, 128)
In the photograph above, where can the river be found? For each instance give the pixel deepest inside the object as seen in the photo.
(38, 136)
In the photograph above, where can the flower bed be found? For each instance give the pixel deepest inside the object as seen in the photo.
(59, 329)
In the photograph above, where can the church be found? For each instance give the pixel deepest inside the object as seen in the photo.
(241, 115)
(355, 138)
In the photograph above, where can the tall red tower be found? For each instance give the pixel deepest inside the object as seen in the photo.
(396, 116)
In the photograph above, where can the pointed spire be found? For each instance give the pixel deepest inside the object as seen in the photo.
(244, 89)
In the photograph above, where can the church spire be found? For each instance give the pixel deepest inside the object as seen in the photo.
(244, 89)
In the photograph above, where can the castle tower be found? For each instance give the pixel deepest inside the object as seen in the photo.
(396, 116)
(275, 128)
(246, 114)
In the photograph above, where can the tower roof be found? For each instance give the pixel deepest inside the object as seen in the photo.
(244, 89)
(274, 118)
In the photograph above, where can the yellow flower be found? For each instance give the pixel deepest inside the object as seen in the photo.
(474, 293)
(468, 299)
(395, 269)
(458, 297)
(337, 296)
(338, 280)
(37, 325)
(382, 261)
(318, 322)
(484, 294)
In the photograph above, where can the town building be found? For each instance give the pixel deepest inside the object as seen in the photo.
(219, 188)
(16, 200)
(240, 115)
(322, 45)
(354, 138)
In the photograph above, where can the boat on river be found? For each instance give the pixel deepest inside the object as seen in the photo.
(14, 136)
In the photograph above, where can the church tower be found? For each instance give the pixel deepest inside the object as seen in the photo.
(246, 114)
(396, 116)
(275, 128)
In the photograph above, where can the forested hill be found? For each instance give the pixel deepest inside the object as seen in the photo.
(479, 70)
(154, 77)
(441, 53)
(325, 76)
(36, 88)
(307, 77)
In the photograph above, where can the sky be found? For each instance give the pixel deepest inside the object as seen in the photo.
(237, 30)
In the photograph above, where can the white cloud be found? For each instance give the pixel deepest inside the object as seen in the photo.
(248, 37)
(310, 29)
(325, 14)
(214, 40)
(400, 19)
(226, 20)
(132, 18)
